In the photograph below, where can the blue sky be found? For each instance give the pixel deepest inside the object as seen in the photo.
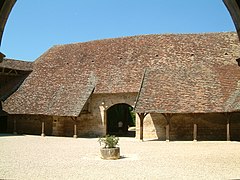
(36, 25)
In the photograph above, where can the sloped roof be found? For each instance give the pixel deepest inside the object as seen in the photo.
(117, 64)
(16, 64)
(193, 89)
(52, 90)
(12, 74)
(8, 88)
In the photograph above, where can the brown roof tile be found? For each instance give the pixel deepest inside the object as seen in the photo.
(118, 65)
(16, 64)
(194, 89)
(52, 95)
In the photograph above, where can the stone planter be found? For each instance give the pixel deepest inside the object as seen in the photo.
(110, 153)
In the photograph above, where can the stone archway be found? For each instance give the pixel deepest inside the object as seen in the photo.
(121, 120)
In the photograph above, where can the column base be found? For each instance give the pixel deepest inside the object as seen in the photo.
(43, 135)
(75, 136)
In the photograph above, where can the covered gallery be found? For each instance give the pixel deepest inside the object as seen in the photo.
(186, 78)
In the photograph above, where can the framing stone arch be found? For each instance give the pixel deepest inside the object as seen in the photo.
(121, 120)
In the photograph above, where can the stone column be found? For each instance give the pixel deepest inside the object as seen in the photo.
(195, 132)
(195, 118)
(43, 129)
(75, 130)
(228, 130)
(105, 119)
(228, 116)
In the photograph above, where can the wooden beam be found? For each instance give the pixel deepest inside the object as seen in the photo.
(141, 117)
(141, 129)
(15, 71)
(9, 72)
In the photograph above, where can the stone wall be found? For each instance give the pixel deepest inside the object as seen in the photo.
(94, 123)
(212, 126)
(29, 124)
(91, 123)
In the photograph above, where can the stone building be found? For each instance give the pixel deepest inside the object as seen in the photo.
(12, 74)
(73, 87)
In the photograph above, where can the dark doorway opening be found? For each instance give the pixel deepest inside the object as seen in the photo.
(121, 120)
(3, 124)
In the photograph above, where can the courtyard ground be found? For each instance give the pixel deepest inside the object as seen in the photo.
(35, 157)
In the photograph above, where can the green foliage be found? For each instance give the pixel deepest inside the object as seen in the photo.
(132, 117)
(109, 141)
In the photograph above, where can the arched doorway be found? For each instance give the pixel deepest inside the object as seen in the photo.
(121, 120)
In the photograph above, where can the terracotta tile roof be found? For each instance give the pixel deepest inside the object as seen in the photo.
(193, 89)
(117, 64)
(12, 74)
(16, 64)
(64, 94)
(9, 87)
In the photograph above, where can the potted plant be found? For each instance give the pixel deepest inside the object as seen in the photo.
(109, 150)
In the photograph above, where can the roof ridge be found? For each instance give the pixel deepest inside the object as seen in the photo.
(143, 35)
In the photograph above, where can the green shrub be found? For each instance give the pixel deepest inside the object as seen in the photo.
(109, 141)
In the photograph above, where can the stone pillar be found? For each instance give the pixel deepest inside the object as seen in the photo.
(43, 129)
(15, 126)
(228, 130)
(105, 120)
(195, 132)
(75, 129)
(228, 116)
(195, 118)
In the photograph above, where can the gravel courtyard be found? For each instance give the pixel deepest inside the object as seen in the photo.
(35, 157)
